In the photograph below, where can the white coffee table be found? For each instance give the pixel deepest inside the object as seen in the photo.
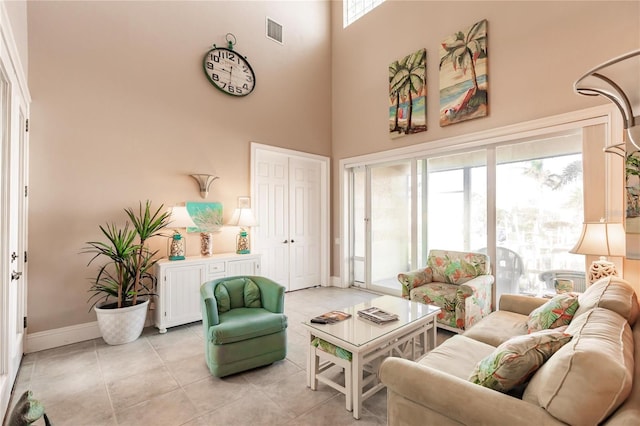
(412, 335)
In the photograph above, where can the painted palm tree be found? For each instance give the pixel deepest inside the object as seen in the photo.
(464, 51)
(407, 77)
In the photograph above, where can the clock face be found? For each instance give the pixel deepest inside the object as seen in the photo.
(229, 72)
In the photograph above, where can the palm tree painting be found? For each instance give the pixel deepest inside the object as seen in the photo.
(408, 94)
(463, 75)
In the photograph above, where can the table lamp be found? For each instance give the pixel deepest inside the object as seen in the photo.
(177, 244)
(242, 217)
(601, 239)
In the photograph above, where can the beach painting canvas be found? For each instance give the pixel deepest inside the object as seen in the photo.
(208, 216)
(463, 75)
(408, 94)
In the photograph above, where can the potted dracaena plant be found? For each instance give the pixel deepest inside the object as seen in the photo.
(126, 274)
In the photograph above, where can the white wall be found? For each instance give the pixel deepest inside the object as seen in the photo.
(122, 112)
(536, 50)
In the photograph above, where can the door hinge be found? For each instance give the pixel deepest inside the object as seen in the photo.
(26, 191)
(26, 125)
(24, 322)
(25, 257)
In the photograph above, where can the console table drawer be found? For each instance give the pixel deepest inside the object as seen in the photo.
(216, 268)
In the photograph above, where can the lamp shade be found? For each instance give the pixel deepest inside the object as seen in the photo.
(601, 239)
(180, 218)
(242, 217)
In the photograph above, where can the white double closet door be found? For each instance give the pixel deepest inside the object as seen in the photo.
(291, 205)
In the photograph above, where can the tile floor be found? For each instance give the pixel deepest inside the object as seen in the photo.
(162, 379)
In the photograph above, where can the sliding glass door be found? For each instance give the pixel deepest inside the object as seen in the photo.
(526, 195)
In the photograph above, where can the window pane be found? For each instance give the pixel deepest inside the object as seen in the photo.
(390, 223)
(456, 202)
(539, 208)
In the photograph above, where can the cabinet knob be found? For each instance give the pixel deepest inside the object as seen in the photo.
(285, 241)
(292, 241)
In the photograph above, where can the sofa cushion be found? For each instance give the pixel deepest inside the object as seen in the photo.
(498, 327)
(457, 356)
(556, 312)
(516, 360)
(245, 323)
(589, 377)
(611, 293)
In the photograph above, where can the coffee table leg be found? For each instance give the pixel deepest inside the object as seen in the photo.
(311, 358)
(356, 384)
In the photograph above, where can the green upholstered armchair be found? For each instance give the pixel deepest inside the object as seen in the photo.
(244, 323)
(460, 283)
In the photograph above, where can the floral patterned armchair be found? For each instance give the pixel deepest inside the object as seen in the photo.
(458, 282)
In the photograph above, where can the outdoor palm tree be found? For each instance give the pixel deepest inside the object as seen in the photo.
(407, 77)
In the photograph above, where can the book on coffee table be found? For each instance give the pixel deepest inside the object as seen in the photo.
(330, 317)
(377, 315)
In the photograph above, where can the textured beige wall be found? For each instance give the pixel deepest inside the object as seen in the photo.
(123, 112)
(537, 49)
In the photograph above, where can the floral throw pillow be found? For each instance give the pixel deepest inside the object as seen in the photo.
(516, 360)
(556, 312)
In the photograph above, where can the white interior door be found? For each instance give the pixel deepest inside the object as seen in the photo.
(304, 223)
(13, 239)
(270, 206)
(291, 204)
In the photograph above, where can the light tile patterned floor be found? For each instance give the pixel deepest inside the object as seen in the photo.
(162, 379)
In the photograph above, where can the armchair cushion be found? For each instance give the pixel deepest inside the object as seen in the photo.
(222, 298)
(252, 295)
(457, 267)
(246, 323)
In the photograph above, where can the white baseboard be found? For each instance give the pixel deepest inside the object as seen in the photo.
(56, 337)
(61, 336)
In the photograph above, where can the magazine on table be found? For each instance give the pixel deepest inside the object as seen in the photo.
(377, 315)
(330, 317)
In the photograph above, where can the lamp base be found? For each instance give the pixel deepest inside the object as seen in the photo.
(177, 247)
(242, 243)
(601, 269)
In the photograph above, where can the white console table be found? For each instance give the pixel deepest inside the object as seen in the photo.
(179, 281)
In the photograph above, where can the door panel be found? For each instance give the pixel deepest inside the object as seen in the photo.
(272, 214)
(304, 223)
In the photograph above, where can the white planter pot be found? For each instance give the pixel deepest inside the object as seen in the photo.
(123, 325)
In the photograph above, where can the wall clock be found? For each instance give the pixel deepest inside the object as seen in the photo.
(228, 70)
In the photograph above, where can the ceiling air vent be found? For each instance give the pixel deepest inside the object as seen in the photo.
(274, 31)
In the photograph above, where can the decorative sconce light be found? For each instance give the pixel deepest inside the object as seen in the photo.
(243, 217)
(177, 244)
(599, 84)
(601, 239)
(204, 182)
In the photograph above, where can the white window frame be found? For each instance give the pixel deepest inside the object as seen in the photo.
(352, 10)
(605, 114)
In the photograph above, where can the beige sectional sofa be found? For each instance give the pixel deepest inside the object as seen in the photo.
(593, 379)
